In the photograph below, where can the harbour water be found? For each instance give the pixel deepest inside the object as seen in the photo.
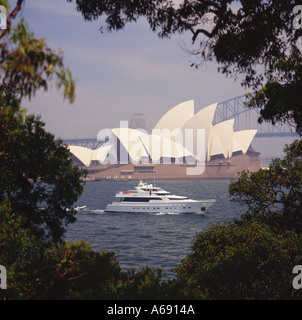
(156, 240)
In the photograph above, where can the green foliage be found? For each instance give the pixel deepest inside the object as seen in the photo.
(274, 194)
(36, 172)
(44, 270)
(28, 64)
(280, 98)
(37, 175)
(23, 255)
(39, 269)
(76, 269)
(119, 13)
(5, 4)
(145, 284)
(242, 260)
(253, 257)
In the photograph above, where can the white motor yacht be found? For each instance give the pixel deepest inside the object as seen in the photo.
(153, 199)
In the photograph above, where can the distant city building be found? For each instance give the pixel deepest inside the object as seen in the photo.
(138, 121)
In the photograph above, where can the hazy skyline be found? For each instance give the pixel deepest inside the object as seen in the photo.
(120, 73)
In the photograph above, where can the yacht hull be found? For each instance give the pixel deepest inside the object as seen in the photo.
(156, 207)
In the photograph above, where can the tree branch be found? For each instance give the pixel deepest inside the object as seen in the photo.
(220, 12)
(12, 15)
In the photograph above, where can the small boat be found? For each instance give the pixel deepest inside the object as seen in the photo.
(80, 207)
(76, 208)
(154, 199)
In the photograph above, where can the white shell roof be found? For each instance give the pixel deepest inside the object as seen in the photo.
(201, 120)
(167, 138)
(176, 117)
(220, 138)
(86, 155)
(241, 140)
(140, 145)
(129, 139)
(163, 147)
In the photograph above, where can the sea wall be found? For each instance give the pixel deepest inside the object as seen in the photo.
(218, 168)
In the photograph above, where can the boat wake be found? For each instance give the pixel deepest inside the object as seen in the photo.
(164, 213)
(97, 211)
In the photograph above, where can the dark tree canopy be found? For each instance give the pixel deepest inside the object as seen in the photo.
(37, 176)
(255, 39)
(275, 193)
(37, 179)
(242, 260)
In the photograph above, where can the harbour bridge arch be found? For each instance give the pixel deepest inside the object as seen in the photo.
(247, 118)
(234, 108)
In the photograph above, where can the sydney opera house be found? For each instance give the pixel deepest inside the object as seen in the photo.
(183, 145)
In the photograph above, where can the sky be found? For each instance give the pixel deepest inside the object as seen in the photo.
(121, 73)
